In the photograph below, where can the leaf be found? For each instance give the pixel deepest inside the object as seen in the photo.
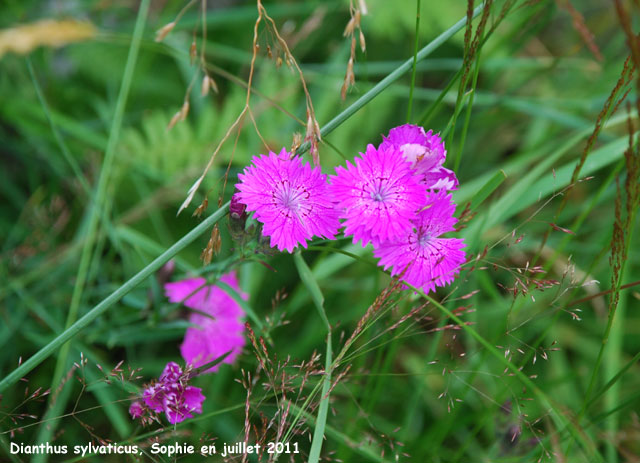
(483, 193)
(47, 32)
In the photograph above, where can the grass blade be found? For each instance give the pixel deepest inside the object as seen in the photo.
(488, 188)
(318, 300)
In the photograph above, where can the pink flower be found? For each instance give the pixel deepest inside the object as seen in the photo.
(426, 153)
(172, 395)
(153, 397)
(440, 178)
(195, 293)
(426, 260)
(217, 324)
(180, 403)
(290, 199)
(136, 409)
(379, 195)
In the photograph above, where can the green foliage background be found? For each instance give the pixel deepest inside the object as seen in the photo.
(419, 390)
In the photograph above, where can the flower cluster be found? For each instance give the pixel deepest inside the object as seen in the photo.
(394, 196)
(171, 394)
(217, 329)
(217, 325)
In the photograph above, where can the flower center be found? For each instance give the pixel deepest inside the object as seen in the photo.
(290, 197)
(379, 195)
(423, 238)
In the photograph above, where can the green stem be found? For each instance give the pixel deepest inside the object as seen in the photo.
(467, 119)
(112, 299)
(321, 421)
(612, 314)
(415, 61)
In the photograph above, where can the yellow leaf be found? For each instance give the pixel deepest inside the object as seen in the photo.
(47, 32)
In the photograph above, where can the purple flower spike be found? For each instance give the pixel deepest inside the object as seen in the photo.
(426, 260)
(426, 152)
(290, 199)
(379, 195)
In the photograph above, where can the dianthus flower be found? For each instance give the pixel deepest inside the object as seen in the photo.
(422, 258)
(172, 395)
(136, 409)
(379, 195)
(290, 199)
(217, 322)
(425, 152)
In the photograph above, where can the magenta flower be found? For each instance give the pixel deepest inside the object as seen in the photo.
(290, 199)
(136, 409)
(379, 195)
(217, 322)
(172, 395)
(236, 208)
(154, 396)
(180, 403)
(440, 178)
(426, 153)
(426, 260)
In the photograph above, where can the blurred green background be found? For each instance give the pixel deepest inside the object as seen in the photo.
(417, 389)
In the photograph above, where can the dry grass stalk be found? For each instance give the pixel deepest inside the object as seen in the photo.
(352, 29)
(312, 128)
(581, 27)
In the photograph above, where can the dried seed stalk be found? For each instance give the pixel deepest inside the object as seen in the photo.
(353, 27)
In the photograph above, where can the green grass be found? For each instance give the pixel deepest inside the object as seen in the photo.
(344, 363)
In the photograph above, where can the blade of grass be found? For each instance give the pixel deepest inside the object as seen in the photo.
(612, 362)
(56, 133)
(611, 316)
(614, 380)
(483, 193)
(318, 301)
(467, 117)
